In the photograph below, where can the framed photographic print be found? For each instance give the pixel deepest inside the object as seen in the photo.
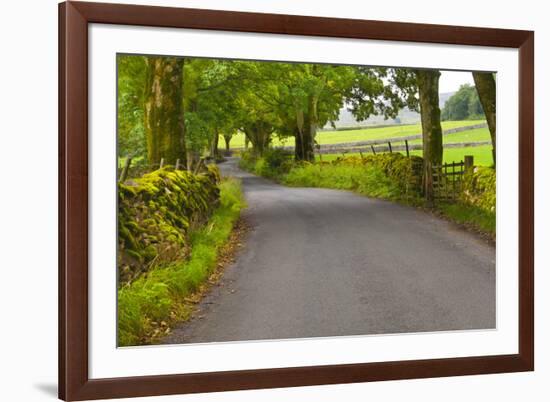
(261, 200)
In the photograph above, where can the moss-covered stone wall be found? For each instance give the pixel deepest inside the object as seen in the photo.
(478, 185)
(155, 213)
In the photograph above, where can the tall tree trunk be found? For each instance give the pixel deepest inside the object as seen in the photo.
(164, 127)
(432, 139)
(214, 149)
(298, 144)
(313, 122)
(486, 89)
(227, 139)
(303, 148)
(306, 129)
(259, 134)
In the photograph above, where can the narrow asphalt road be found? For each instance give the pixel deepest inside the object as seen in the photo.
(321, 262)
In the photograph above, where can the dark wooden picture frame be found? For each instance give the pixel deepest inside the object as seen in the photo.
(74, 381)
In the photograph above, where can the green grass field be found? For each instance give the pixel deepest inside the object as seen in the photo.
(478, 134)
(482, 155)
(376, 133)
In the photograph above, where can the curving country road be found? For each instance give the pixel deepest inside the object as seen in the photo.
(321, 262)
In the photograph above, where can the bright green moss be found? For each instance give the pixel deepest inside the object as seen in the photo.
(479, 188)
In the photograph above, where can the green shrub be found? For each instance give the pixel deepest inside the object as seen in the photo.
(156, 211)
(479, 188)
(403, 171)
(158, 296)
(273, 163)
(364, 179)
(277, 158)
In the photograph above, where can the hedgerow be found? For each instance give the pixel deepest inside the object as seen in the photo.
(479, 188)
(405, 172)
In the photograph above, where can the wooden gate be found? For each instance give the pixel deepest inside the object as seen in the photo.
(447, 180)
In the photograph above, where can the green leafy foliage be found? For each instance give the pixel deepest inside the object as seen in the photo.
(464, 104)
(273, 163)
(364, 179)
(131, 73)
(155, 214)
(479, 188)
(389, 176)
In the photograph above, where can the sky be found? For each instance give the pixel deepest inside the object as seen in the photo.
(450, 81)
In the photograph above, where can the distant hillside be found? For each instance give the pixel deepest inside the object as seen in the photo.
(405, 116)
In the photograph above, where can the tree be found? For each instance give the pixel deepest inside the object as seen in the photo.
(387, 90)
(130, 110)
(464, 104)
(374, 93)
(432, 135)
(475, 110)
(428, 92)
(197, 115)
(486, 89)
(254, 103)
(227, 136)
(419, 91)
(303, 98)
(163, 111)
(212, 91)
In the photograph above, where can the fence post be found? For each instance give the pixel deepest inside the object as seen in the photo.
(124, 173)
(445, 176)
(468, 163)
(318, 146)
(454, 184)
(361, 154)
(161, 163)
(407, 147)
(389, 146)
(373, 151)
(198, 165)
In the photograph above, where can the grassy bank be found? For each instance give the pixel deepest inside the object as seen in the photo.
(470, 216)
(366, 180)
(150, 304)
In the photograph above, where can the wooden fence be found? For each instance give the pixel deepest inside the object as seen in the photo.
(390, 144)
(447, 178)
(130, 169)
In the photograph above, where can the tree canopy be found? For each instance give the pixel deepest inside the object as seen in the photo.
(463, 105)
(177, 108)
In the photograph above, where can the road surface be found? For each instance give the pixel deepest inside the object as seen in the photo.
(320, 262)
